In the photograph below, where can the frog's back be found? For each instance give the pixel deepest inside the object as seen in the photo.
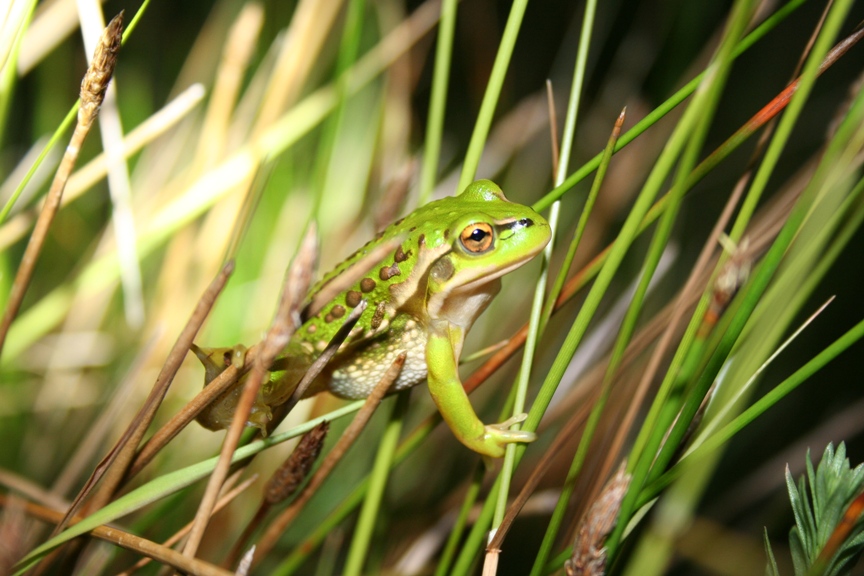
(391, 275)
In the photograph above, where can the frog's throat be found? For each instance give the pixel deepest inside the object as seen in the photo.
(462, 305)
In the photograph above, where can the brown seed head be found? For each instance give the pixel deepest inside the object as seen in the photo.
(589, 555)
(291, 474)
(96, 79)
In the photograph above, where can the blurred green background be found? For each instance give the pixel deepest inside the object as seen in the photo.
(80, 347)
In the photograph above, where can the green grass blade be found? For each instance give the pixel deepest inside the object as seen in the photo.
(438, 101)
(377, 483)
(536, 321)
(443, 567)
(758, 408)
(348, 50)
(300, 553)
(667, 106)
(654, 425)
(9, 59)
(490, 97)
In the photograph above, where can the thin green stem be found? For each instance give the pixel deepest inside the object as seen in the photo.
(475, 539)
(377, 482)
(64, 125)
(778, 249)
(298, 556)
(632, 226)
(348, 50)
(135, 19)
(638, 219)
(536, 321)
(554, 524)
(490, 98)
(443, 568)
(817, 264)
(558, 285)
(9, 65)
(521, 387)
(654, 428)
(438, 101)
(673, 101)
(694, 125)
(569, 133)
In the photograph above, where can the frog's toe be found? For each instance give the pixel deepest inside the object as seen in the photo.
(509, 436)
(260, 418)
(501, 435)
(509, 422)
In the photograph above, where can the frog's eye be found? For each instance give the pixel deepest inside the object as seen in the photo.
(477, 238)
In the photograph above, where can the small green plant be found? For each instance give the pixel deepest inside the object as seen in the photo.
(828, 535)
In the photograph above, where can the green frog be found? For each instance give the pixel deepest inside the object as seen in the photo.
(442, 267)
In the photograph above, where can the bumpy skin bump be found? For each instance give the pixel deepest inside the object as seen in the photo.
(422, 298)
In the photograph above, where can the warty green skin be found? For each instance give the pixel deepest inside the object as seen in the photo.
(442, 269)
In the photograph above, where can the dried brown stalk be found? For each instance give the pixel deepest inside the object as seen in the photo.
(220, 472)
(226, 379)
(229, 497)
(239, 48)
(89, 448)
(297, 282)
(29, 489)
(490, 562)
(296, 285)
(93, 88)
(325, 357)
(132, 542)
(113, 467)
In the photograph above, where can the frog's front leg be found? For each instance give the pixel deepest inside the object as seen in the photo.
(444, 339)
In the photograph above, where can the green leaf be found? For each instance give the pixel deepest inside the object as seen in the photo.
(771, 568)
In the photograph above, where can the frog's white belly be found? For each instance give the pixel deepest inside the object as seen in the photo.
(355, 376)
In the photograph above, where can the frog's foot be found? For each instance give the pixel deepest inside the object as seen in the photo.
(219, 414)
(497, 436)
(216, 360)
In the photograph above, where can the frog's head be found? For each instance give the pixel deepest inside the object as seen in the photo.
(490, 237)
